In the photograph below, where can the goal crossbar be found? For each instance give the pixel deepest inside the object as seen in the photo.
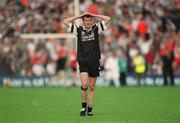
(46, 35)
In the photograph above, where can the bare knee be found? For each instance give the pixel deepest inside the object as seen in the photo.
(91, 88)
(84, 85)
(84, 80)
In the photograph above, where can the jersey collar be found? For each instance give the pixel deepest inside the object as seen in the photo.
(87, 29)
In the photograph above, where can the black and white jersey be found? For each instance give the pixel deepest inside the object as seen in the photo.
(88, 41)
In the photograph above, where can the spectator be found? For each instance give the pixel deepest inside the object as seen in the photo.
(61, 61)
(5, 64)
(167, 56)
(122, 68)
(177, 56)
(139, 68)
(72, 63)
(112, 69)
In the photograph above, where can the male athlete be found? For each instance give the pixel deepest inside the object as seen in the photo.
(88, 54)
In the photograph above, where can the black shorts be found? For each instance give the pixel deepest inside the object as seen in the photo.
(92, 68)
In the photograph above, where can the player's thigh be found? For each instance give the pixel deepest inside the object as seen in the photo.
(92, 81)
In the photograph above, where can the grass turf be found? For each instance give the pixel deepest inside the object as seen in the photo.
(112, 105)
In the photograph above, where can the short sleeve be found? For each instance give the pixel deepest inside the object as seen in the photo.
(101, 27)
(72, 28)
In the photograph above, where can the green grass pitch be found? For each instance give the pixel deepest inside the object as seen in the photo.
(112, 105)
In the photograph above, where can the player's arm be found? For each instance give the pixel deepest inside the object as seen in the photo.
(67, 21)
(72, 28)
(70, 20)
(103, 17)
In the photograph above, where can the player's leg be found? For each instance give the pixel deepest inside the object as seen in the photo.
(84, 87)
(93, 74)
(92, 83)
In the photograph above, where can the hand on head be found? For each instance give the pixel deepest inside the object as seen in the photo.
(87, 13)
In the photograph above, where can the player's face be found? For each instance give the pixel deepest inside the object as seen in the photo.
(87, 22)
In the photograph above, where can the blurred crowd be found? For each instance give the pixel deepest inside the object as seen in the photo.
(143, 37)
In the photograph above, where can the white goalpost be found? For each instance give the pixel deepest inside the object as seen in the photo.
(47, 36)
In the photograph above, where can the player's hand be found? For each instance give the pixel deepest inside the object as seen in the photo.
(86, 13)
(93, 15)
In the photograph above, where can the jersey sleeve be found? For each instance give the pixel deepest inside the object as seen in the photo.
(101, 27)
(72, 28)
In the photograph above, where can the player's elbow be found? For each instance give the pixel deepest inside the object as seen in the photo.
(65, 21)
(107, 19)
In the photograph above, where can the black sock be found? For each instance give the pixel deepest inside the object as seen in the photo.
(84, 105)
(89, 109)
